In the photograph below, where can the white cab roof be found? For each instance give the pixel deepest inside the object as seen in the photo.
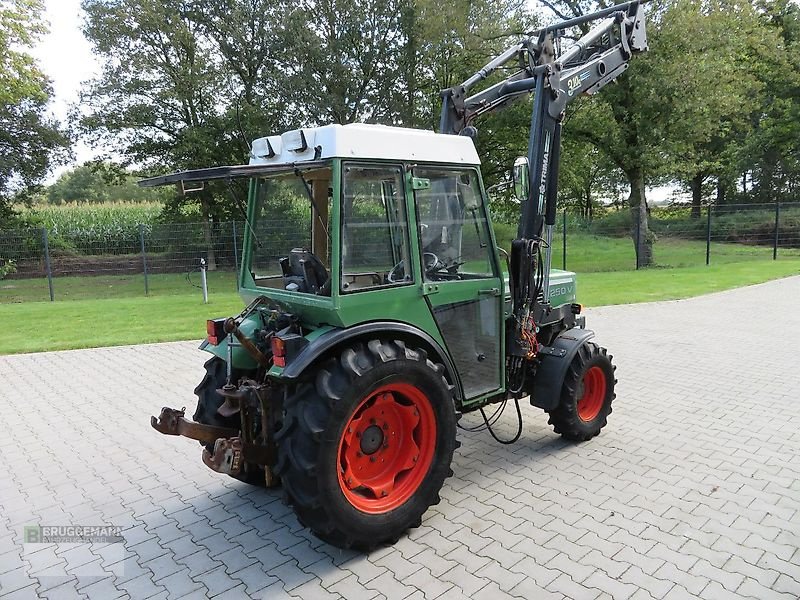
(359, 140)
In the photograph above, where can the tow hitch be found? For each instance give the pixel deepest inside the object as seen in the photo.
(172, 422)
(234, 449)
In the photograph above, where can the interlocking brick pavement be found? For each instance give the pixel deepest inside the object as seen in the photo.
(693, 490)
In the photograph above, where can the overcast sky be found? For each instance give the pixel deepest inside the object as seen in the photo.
(66, 58)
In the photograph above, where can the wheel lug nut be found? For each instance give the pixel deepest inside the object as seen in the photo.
(415, 458)
(383, 493)
(372, 421)
(358, 434)
(359, 455)
(372, 459)
(386, 427)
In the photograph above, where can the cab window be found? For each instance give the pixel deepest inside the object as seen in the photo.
(374, 228)
(453, 230)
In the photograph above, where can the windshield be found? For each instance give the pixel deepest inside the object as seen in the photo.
(290, 221)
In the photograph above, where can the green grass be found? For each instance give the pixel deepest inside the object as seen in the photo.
(115, 286)
(588, 253)
(42, 326)
(85, 323)
(650, 285)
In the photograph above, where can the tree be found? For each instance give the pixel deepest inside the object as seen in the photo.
(186, 84)
(30, 141)
(450, 42)
(587, 179)
(768, 160)
(677, 105)
(345, 61)
(99, 182)
(728, 45)
(163, 99)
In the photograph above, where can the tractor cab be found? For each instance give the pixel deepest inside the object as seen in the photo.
(374, 229)
(359, 222)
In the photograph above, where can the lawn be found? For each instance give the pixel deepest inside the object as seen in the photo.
(42, 326)
(119, 320)
(115, 286)
(650, 285)
(587, 253)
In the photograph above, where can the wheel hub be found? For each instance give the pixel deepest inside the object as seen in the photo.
(386, 448)
(371, 439)
(591, 394)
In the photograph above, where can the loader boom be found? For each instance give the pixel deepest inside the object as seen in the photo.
(555, 78)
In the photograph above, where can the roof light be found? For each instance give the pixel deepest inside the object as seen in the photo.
(262, 148)
(298, 140)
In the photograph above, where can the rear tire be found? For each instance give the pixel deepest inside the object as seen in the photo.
(342, 472)
(586, 394)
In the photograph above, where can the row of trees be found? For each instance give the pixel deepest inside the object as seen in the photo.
(714, 105)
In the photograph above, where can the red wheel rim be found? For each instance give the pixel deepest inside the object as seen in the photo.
(594, 392)
(386, 448)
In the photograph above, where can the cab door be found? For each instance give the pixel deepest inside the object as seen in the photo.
(461, 278)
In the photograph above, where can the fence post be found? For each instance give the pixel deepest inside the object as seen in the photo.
(235, 253)
(708, 236)
(777, 222)
(144, 259)
(638, 241)
(564, 243)
(46, 246)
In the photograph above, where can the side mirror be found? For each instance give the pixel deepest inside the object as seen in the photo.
(519, 178)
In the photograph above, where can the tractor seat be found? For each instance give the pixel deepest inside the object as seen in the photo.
(304, 272)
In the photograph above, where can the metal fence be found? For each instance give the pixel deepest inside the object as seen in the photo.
(164, 259)
(149, 260)
(677, 236)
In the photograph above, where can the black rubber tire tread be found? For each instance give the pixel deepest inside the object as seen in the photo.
(208, 401)
(316, 413)
(564, 418)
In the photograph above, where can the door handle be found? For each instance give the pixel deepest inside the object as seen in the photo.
(490, 292)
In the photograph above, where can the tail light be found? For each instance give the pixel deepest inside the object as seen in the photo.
(215, 328)
(278, 351)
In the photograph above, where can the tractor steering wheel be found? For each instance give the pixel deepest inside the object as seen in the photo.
(430, 264)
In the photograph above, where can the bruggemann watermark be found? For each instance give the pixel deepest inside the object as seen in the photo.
(72, 534)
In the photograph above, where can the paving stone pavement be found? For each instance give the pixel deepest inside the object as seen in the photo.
(692, 491)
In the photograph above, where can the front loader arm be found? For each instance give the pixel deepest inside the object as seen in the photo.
(555, 78)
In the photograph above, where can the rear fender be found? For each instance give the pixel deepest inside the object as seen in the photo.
(335, 338)
(553, 368)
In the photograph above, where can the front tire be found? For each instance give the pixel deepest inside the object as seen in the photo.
(586, 394)
(366, 446)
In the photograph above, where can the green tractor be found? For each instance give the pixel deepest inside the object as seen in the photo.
(379, 308)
